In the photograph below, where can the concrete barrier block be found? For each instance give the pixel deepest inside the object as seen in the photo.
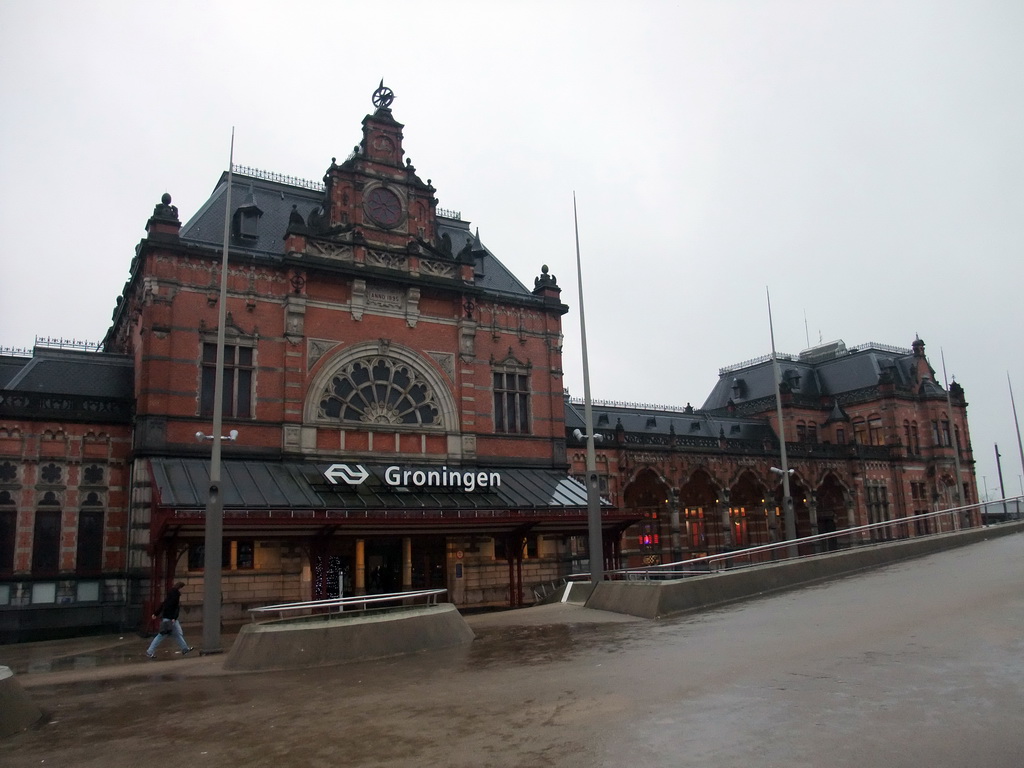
(651, 599)
(17, 711)
(339, 638)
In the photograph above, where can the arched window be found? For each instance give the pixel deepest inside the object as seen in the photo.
(376, 390)
(876, 435)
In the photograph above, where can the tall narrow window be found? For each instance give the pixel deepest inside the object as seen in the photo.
(511, 402)
(46, 542)
(8, 524)
(90, 542)
(238, 370)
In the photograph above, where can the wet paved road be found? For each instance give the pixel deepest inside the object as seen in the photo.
(917, 664)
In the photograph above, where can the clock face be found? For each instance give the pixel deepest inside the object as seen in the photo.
(383, 206)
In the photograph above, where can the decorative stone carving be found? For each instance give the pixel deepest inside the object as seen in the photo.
(358, 299)
(437, 268)
(294, 316)
(467, 340)
(291, 437)
(164, 209)
(387, 260)
(446, 362)
(412, 306)
(315, 349)
(329, 250)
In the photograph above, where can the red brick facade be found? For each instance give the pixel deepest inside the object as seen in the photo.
(365, 327)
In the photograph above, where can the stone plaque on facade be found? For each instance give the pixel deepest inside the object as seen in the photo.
(384, 298)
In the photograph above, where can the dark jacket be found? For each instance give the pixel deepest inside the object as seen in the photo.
(168, 609)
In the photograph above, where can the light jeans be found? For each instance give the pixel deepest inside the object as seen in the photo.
(176, 633)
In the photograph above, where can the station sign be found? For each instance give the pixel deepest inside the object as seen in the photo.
(414, 478)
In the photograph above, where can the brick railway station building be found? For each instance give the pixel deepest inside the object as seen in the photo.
(402, 422)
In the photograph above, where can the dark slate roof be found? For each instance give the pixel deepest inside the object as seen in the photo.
(74, 372)
(259, 484)
(490, 273)
(276, 198)
(10, 365)
(817, 374)
(653, 420)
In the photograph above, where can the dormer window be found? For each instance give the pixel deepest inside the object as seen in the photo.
(739, 388)
(792, 378)
(246, 220)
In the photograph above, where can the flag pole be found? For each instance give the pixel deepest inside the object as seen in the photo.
(596, 538)
(788, 516)
(214, 534)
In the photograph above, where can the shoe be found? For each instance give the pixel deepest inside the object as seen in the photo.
(151, 656)
(187, 651)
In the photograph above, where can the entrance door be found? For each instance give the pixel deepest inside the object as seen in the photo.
(383, 565)
(429, 563)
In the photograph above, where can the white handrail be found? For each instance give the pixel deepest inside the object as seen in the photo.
(685, 567)
(340, 603)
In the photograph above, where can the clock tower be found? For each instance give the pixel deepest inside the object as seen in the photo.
(376, 191)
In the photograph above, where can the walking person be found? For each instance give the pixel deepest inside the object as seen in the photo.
(167, 612)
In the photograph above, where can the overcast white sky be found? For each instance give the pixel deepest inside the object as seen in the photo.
(864, 160)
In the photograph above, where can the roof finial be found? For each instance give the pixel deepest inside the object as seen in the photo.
(383, 96)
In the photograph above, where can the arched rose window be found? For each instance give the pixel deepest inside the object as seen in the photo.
(379, 391)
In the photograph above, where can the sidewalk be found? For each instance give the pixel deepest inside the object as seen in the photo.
(99, 657)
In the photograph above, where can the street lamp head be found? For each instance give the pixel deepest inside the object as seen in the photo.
(200, 437)
(233, 435)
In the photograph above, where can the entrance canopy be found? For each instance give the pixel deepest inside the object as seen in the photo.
(301, 496)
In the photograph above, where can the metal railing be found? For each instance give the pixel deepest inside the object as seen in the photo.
(358, 603)
(918, 526)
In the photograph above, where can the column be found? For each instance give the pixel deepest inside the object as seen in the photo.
(360, 585)
(406, 563)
